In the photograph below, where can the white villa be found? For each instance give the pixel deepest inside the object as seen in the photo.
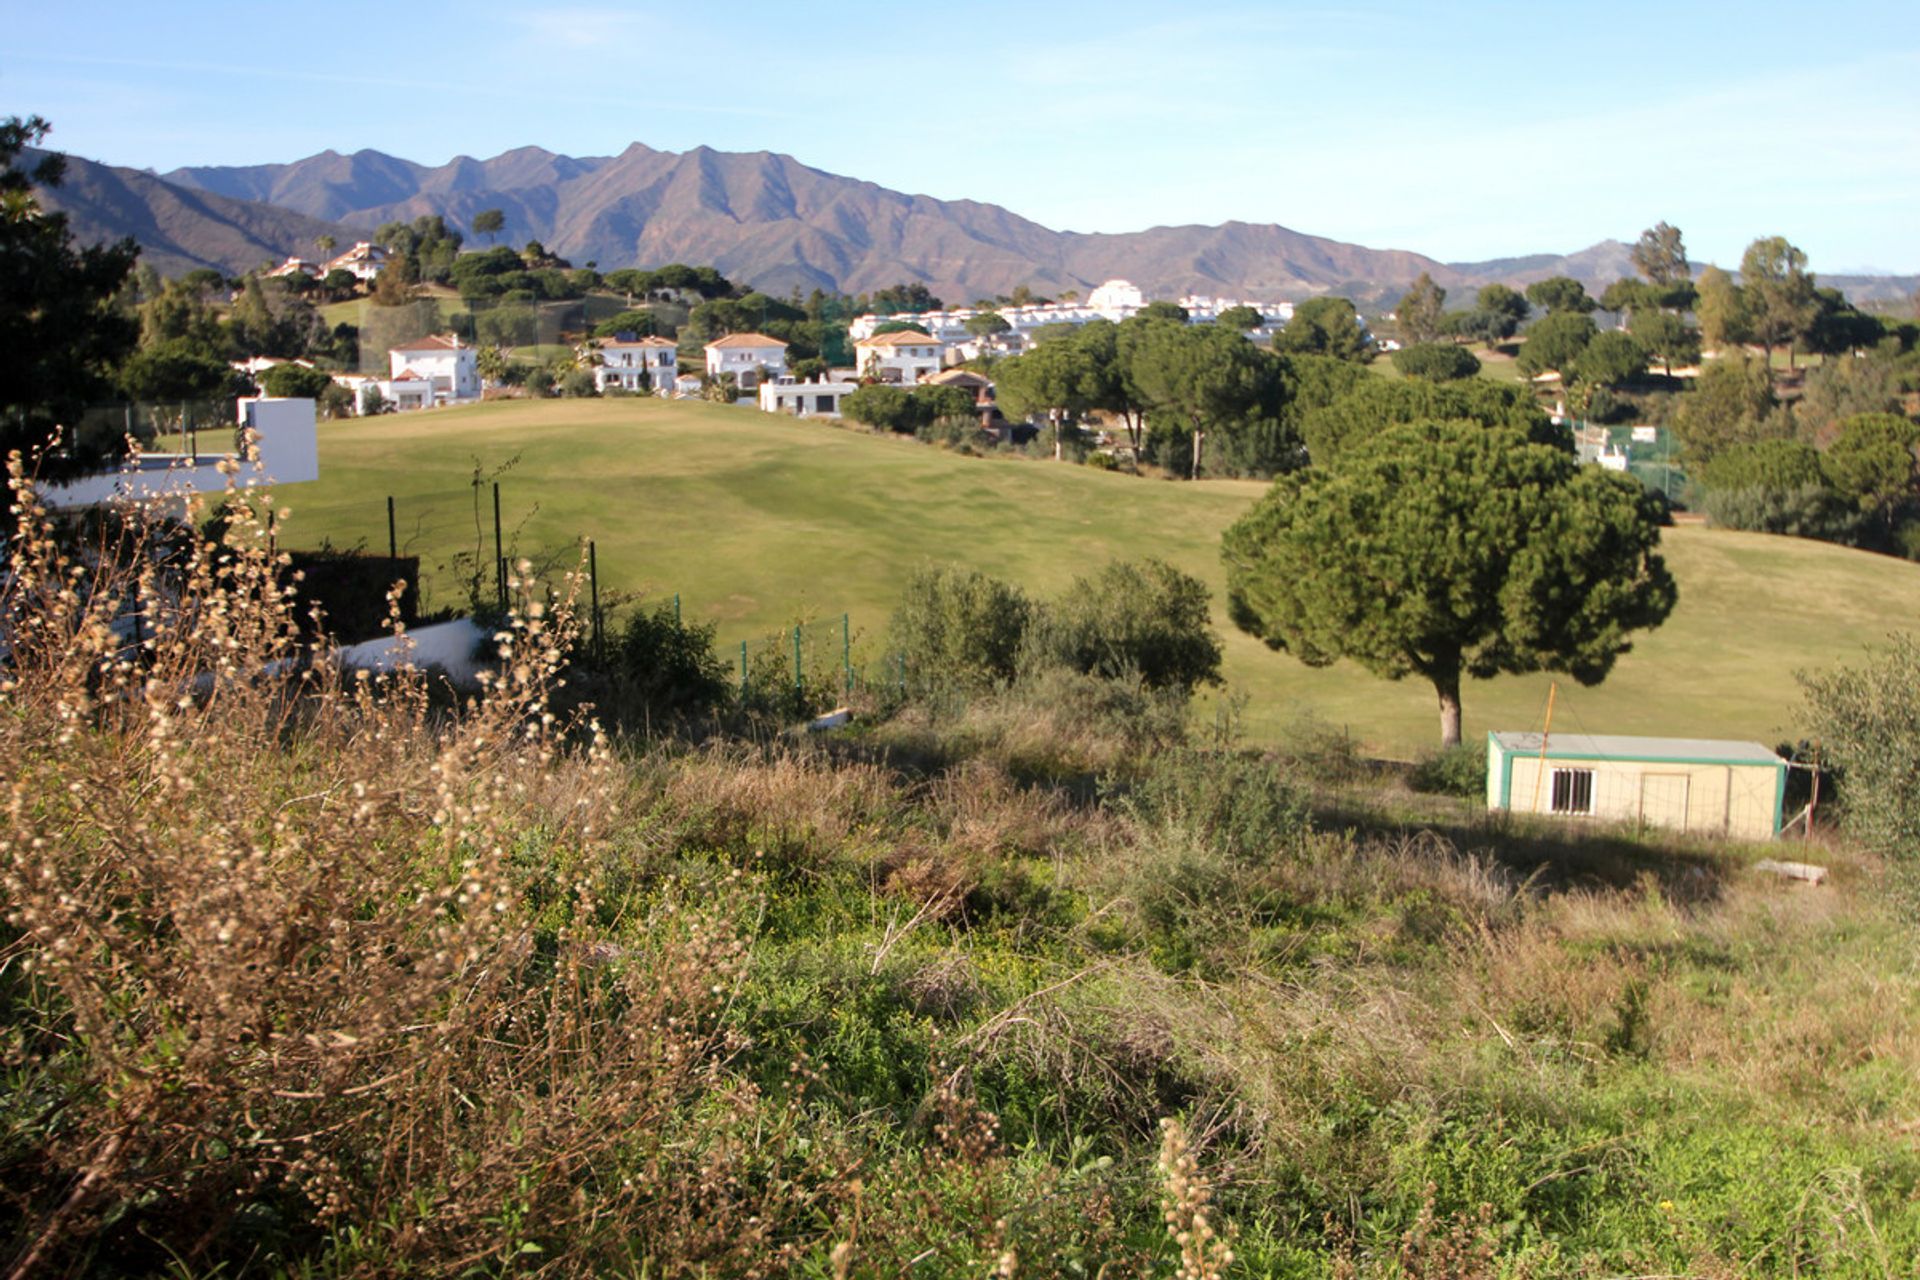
(1116, 300)
(297, 266)
(446, 368)
(624, 362)
(900, 356)
(363, 261)
(749, 357)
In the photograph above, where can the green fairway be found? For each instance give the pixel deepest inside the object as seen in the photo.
(757, 520)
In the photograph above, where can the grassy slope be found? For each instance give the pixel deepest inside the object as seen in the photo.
(755, 520)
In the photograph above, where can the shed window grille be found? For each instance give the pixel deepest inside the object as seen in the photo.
(1573, 791)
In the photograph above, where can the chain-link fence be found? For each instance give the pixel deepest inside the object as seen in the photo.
(1648, 453)
(189, 430)
(470, 541)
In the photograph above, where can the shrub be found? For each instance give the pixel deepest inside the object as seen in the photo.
(1869, 718)
(1102, 462)
(953, 432)
(255, 935)
(959, 629)
(1805, 511)
(665, 669)
(295, 380)
(1455, 771)
(1241, 805)
(1145, 618)
(578, 384)
(1436, 362)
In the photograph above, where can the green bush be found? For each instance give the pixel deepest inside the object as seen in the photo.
(1869, 718)
(1102, 462)
(1456, 771)
(1241, 805)
(665, 669)
(1436, 362)
(1146, 618)
(1806, 511)
(959, 629)
(295, 380)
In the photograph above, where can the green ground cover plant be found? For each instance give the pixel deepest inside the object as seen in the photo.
(305, 973)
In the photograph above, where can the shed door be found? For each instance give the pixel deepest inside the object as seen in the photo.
(1663, 800)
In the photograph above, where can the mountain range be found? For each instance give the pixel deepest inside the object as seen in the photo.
(761, 218)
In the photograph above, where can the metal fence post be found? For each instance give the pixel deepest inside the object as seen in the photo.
(676, 608)
(593, 587)
(743, 667)
(798, 686)
(846, 649)
(499, 556)
(393, 532)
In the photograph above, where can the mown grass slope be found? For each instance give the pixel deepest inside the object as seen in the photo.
(757, 521)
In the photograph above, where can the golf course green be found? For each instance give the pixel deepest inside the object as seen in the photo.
(758, 521)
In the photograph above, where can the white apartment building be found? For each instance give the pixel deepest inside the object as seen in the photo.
(749, 357)
(1116, 300)
(902, 356)
(449, 368)
(623, 364)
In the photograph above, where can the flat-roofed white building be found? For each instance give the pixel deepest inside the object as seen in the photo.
(818, 398)
(1713, 787)
(638, 364)
(749, 357)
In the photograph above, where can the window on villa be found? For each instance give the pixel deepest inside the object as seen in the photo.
(1573, 791)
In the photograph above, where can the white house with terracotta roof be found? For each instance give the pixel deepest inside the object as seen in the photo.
(625, 362)
(363, 261)
(296, 266)
(900, 356)
(449, 368)
(749, 357)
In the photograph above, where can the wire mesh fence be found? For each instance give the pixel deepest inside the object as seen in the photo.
(472, 543)
(190, 430)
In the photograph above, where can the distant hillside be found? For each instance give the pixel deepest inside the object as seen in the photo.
(764, 219)
(178, 228)
(775, 222)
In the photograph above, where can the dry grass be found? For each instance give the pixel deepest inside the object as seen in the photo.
(318, 971)
(271, 948)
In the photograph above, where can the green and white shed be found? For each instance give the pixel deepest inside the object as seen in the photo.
(1733, 789)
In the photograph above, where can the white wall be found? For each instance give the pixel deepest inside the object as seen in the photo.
(287, 452)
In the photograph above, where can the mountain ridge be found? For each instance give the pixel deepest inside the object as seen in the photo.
(773, 221)
(766, 219)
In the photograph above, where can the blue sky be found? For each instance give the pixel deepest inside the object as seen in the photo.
(1463, 131)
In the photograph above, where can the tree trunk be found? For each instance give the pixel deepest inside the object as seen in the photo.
(1448, 687)
(1197, 437)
